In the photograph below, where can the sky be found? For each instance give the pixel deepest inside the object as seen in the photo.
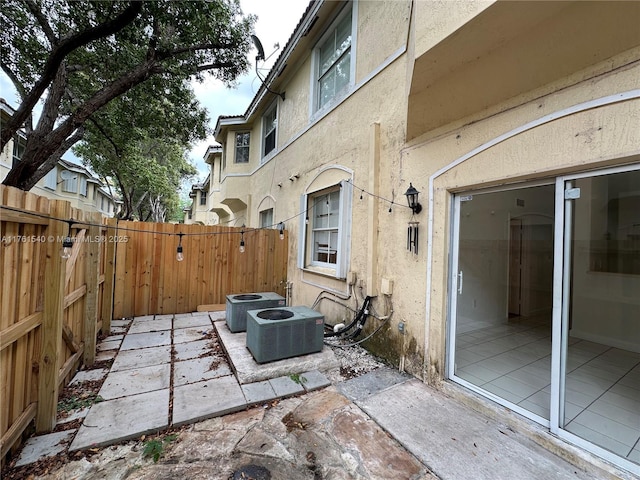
(275, 24)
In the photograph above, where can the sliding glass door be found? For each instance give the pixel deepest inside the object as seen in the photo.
(600, 398)
(545, 305)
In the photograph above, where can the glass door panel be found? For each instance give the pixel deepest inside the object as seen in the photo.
(602, 321)
(503, 295)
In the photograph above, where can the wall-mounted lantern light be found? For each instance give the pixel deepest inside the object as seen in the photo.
(412, 199)
(281, 230)
(67, 243)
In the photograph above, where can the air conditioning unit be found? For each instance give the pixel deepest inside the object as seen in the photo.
(237, 306)
(277, 333)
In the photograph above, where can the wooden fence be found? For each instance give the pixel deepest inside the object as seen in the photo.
(51, 308)
(149, 279)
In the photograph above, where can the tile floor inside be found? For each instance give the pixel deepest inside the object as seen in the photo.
(513, 361)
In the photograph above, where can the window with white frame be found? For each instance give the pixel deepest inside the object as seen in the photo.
(19, 146)
(266, 218)
(83, 186)
(325, 227)
(203, 197)
(269, 130)
(333, 61)
(242, 147)
(70, 184)
(51, 179)
(326, 230)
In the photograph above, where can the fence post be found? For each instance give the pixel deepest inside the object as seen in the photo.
(91, 298)
(109, 275)
(52, 319)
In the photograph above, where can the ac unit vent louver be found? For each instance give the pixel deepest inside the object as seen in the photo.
(278, 333)
(237, 306)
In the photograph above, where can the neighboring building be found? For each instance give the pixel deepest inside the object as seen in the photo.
(519, 123)
(67, 181)
(199, 210)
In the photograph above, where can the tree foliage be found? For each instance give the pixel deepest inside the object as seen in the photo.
(154, 122)
(77, 56)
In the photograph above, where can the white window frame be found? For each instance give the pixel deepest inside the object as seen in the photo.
(266, 218)
(306, 252)
(51, 179)
(268, 129)
(203, 198)
(70, 185)
(349, 11)
(242, 147)
(83, 186)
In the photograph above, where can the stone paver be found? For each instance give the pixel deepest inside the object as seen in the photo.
(143, 340)
(198, 369)
(44, 446)
(185, 351)
(182, 335)
(201, 321)
(314, 380)
(285, 386)
(197, 401)
(112, 345)
(89, 375)
(106, 355)
(143, 357)
(150, 326)
(134, 381)
(258, 392)
(116, 420)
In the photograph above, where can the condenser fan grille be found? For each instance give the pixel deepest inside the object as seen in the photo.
(247, 297)
(275, 314)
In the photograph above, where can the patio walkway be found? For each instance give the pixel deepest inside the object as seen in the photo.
(361, 424)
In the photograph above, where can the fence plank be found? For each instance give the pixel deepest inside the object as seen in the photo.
(111, 237)
(52, 324)
(91, 297)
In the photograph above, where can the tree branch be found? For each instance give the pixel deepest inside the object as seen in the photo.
(56, 57)
(211, 66)
(42, 21)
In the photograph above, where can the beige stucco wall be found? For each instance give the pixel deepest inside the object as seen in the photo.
(364, 137)
(600, 136)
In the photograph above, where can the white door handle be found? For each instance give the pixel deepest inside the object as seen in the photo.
(460, 280)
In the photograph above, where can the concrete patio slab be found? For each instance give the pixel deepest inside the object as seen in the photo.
(118, 330)
(185, 351)
(113, 337)
(183, 335)
(121, 323)
(249, 371)
(258, 392)
(216, 316)
(150, 325)
(135, 381)
(188, 322)
(106, 355)
(199, 369)
(122, 419)
(373, 382)
(104, 346)
(314, 380)
(42, 446)
(143, 340)
(160, 317)
(457, 442)
(142, 357)
(89, 375)
(75, 415)
(212, 398)
(285, 386)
